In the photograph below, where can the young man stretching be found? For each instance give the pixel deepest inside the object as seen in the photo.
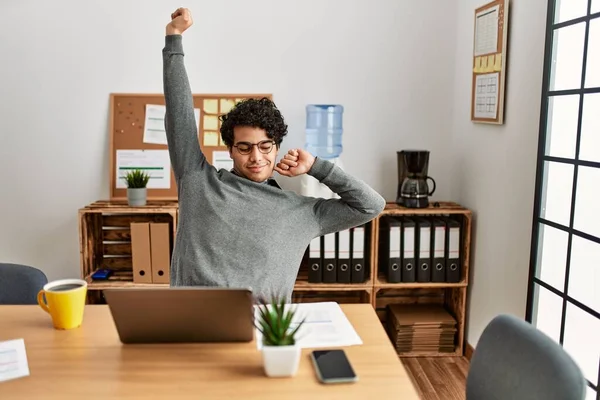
(239, 228)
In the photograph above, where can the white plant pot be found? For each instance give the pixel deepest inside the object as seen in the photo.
(281, 361)
(136, 196)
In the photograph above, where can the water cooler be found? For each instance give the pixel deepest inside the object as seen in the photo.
(324, 140)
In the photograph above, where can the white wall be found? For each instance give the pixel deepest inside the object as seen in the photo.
(494, 166)
(390, 65)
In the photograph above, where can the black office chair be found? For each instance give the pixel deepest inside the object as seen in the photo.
(514, 360)
(20, 284)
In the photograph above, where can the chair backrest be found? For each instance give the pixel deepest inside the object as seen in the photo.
(20, 284)
(514, 360)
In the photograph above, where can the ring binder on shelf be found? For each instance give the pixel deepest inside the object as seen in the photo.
(315, 271)
(357, 274)
(423, 226)
(438, 243)
(343, 263)
(453, 270)
(329, 259)
(408, 250)
(394, 267)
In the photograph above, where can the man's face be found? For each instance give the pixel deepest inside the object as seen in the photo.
(248, 153)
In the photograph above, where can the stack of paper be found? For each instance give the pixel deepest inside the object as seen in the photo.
(421, 328)
(325, 325)
(13, 360)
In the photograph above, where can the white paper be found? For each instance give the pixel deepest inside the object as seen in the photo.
(486, 31)
(155, 163)
(154, 123)
(13, 360)
(486, 95)
(326, 325)
(221, 159)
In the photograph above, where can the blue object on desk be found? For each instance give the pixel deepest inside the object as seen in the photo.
(102, 274)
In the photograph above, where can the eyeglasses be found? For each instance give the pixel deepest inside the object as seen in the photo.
(264, 146)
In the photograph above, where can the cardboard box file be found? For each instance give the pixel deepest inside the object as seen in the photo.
(160, 252)
(150, 252)
(140, 252)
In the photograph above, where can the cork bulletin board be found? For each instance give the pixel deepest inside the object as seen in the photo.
(137, 138)
(489, 62)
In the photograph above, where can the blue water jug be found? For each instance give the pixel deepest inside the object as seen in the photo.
(324, 130)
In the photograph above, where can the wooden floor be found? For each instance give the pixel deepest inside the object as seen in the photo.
(438, 378)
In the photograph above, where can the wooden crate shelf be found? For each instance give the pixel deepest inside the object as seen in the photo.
(380, 283)
(105, 242)
(343, 297)
(304, 286)
(383, 297)
(435, 208)
(105, 238)
(302, 283)
(452, 299)
(119, 279)
(452, 295)
(459, 214)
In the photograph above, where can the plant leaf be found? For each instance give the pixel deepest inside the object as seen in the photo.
(275, 322)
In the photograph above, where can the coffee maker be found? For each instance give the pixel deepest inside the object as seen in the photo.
(413, 190)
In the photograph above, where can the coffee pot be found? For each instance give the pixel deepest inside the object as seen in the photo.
(413, 190)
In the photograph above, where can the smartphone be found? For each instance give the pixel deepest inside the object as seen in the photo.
(332, 366)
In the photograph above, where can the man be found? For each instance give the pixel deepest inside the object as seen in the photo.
(239, 228)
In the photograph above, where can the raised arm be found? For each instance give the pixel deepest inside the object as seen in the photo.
(358, 202)
(180, 122)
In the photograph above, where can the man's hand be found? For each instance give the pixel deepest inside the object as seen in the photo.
(181, 19)
(295, 162)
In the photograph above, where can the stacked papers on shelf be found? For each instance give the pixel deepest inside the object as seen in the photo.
(422, 328)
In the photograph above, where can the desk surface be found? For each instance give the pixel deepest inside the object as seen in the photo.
(91, 362)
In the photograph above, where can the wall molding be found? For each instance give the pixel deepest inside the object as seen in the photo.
(469, 351)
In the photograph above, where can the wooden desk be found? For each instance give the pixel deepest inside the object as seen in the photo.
(90, 362)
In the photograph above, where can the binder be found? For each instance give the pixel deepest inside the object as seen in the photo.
(329, 262)
(315, 272)
(438, 244)
(160, 252)
(343, 262)
(140, 252)
(408, 250)
(423, 230)
(357, 261)
(453, 256)
(394, 266)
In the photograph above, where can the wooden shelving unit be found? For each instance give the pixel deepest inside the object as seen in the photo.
(105, 242)
(453, 296)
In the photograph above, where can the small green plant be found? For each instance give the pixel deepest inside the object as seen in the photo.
(136, 179)
(275, 323)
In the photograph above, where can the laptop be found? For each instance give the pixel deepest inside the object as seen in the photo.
(182, 314)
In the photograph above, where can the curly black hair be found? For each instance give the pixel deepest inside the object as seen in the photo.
(257, 113)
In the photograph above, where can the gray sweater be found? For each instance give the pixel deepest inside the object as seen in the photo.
(233, 232)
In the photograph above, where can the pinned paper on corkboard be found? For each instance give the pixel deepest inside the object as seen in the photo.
(489, 62)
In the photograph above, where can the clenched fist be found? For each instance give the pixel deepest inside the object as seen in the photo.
(295, 162)
(181, 19)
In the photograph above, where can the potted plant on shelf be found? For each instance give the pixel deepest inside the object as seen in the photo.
(280, 352)
(136, 187)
